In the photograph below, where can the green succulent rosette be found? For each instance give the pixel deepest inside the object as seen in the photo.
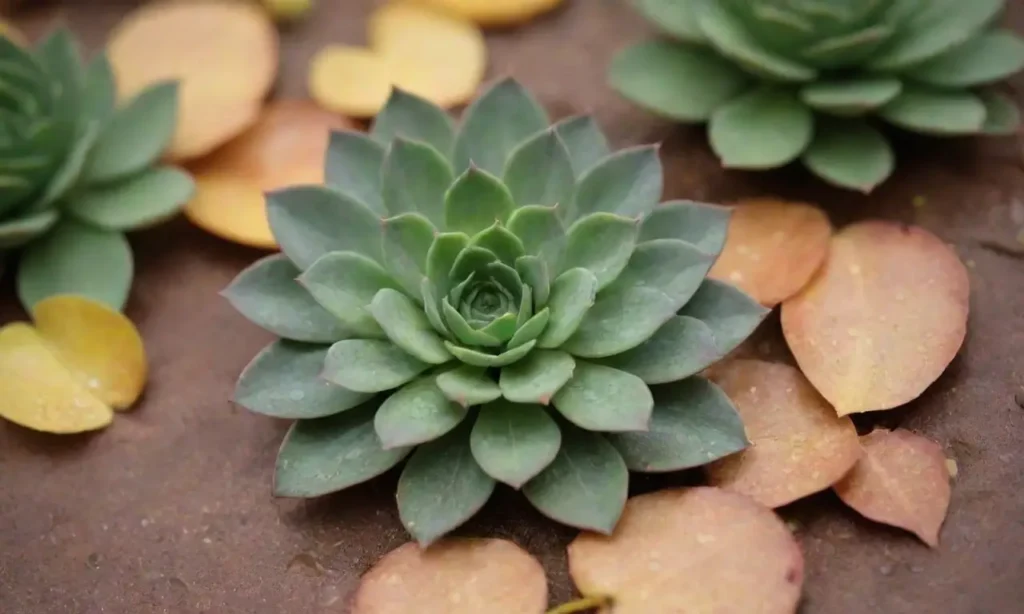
(782, 80)
(506, 302)
(77, 171)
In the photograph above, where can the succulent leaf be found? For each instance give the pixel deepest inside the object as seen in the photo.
(532, 328)
(572, 295)
(540, 231)
(495, 124)
(1002, 117)
(584, 142)
(441, 257)
(731, 314)
(468, 385)
(987, 58)
(600, 398)
(482, 359)
(501, 242)
(407, 241)
(417, 413)
(850, 96)
(704, 226)
(345, 283)
(850, 153)
(99, 93)
(476, 200)
(534, 274)
(19, 231)
(602, 244)
(415, 179)
(627, 183)
(370, 365)
(539, 172)
(148, 198)
(934, 111)
(538, 377)
(353, 167)
(513, 442)
(405, 324)
(407, 117)
(658, 360)
(677, 18)
(764, 128)
(947, 26)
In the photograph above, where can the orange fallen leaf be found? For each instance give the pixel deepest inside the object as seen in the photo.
(285, 147)
(691, 550)
(495, 12)
(773, 248)
(454, 576)
(902, 480)
(882, 319)
(798, 446)
(223, 53)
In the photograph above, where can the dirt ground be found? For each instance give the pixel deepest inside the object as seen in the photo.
(169, 510)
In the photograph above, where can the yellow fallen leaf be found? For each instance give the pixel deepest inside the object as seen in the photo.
(38, 392)
(288, 10)
(691, 550)
(98, 345)
(882, 319)
(495, 12)
(223, 53)
(902, 481)
(454, 576)
(773, 248)
(429, 52)
(231, 208)
(353, 81)
(798, 446)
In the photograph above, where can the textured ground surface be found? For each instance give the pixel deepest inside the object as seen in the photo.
(170, 509)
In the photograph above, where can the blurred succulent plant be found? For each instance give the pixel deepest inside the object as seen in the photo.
(76, 172)
(779, 80)
(448, 287)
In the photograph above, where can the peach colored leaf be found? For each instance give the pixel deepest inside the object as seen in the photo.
(691, 550)
(882, 319)
(902, 480)
(773, 248)
(798, 446)
(454, 576)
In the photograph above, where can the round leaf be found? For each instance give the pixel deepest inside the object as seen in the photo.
(416, 413)
(468, 386)
(514, 442)
(600, 398)
(370, 365)
(144, 200)
(935, 111)
(853, 96)
(536, 378)
(986, 58)
(850, 154)
(763, 129)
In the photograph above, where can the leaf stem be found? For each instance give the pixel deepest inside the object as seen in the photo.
(583, 604)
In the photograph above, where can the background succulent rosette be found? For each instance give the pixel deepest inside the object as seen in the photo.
(506, 302)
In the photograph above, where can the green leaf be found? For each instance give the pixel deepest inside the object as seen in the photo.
(475, 201)
(468, 386)
(699, 224)
(986, 58)
(948, 26)
(682, 347)
(406, 326)
(693, 424)
(418, 412)
(472, 260)
(732, 39)
(602, 244)
(539, 172)
(73, 258)
(584, 141)
(513, 442)
(70, 170)
(432, 308)
(600, 398)
(572, 295)
(441, 487)
(407, 116)
(525, 315)
(536, 378)
(677, 18)
(60, 56)
(848, 49)
(326, 455)
(937, 112)
(729, 312)
(18, 231)
(407, 241)
(99, 92)
(462, 330)
(541, 232)
(850, 154)
(501, 328)
(283, 381)
(765, 128)
(149, 198)
(344, 283)
(627, 183)
(441, 257)
(660, 76)
(310, 221)
(415, 179)
(660, 278)
(531, 329)
(585, 486)
(501, 242)
(534, 274)
(353, 167)
(1002, 117)
(136, 135)
(370, 365)
(496, 123)
(848, 97)
(269, 296)
(480, 359)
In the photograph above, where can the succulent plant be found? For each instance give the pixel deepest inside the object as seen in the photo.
(76, 171)
(503, 303)
(779, 80)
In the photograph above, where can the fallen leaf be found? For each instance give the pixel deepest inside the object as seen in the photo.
(798, 446)
(224, 55)
(495, 12)
(429, 53)
(284, 147)
(902, 480)
(691, 550)
(882, 319)
(453, 576)
(353, 81)
(773, 248)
